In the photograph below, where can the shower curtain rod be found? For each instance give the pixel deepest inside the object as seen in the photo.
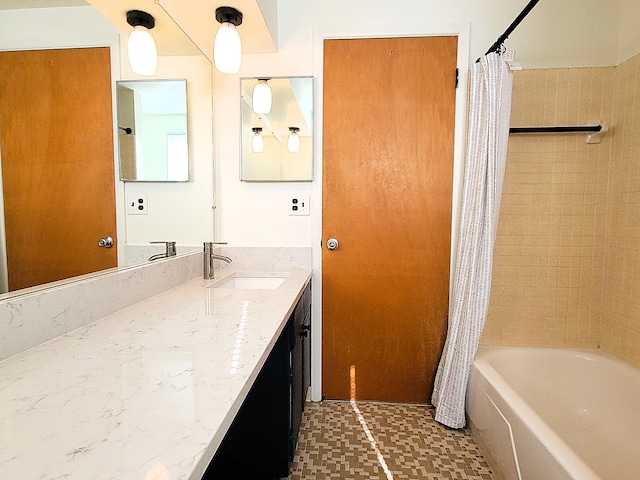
(570, 129)
(501, 39)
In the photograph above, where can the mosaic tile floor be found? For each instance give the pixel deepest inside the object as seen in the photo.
(339, 440)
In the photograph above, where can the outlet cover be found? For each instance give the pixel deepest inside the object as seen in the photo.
(137, 205)
(299, 205)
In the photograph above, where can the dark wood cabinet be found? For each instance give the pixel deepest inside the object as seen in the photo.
(260, 442)
(301, 364)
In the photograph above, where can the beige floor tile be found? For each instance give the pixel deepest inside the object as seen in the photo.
(386, 441)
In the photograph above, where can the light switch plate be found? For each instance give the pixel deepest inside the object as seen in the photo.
(299, 205)
(137, 205)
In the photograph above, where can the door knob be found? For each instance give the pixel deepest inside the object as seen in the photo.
(332, 244)
(106, 242)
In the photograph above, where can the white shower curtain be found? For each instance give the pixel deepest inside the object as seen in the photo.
(490, 106)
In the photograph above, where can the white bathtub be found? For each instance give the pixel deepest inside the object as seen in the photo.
(548, 413)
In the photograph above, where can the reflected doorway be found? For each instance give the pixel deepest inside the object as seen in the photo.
(56, 141)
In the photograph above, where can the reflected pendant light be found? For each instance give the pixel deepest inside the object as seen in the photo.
(262, 97)
(293, 144)
(227, 49)
(143, 55)
(257, 142)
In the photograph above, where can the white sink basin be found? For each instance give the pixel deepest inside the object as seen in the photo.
(252, 282)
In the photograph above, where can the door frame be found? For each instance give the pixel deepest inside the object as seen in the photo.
(460, 30)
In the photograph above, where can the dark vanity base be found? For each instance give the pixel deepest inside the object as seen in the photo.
(260, 442)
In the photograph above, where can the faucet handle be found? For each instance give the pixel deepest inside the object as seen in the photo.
(208, 246)
(170, 247)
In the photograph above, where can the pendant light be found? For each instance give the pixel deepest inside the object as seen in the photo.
(143, 55)
(227, 49)
(261, 97)
(257, 142)
(293, 144)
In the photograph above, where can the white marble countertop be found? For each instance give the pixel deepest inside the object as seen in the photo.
(146, 393)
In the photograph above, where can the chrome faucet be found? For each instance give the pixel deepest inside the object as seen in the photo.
(209, 257)
(170, 251)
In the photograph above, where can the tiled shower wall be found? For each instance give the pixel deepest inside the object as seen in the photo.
(621, 279)
(567, 256)
(549, 255)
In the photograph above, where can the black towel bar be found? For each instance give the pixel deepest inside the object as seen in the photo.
(570, 129)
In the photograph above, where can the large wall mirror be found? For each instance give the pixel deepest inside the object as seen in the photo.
(152, 130)
(277, 146)
(49, 29)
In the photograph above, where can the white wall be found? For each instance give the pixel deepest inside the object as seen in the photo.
(567, 33)
(180, 212)
(62, 27)
(251, 214)
(564, 33)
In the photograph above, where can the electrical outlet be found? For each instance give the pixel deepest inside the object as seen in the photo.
(137, 205)
(299, 205)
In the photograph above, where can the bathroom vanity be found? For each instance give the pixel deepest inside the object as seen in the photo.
(156, 390)
(262, 438)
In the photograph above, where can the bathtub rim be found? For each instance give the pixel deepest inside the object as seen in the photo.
(557, 448)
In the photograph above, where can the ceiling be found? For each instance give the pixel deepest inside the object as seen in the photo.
(182, 30)
(15, 4)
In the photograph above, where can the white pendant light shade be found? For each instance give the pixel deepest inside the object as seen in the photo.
(293, 144)
(257, 142)
(143, 56)
(141, 48)
(227, 49)
(262, 97)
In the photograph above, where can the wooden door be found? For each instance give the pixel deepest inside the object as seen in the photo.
(387, 188)
(56, 140)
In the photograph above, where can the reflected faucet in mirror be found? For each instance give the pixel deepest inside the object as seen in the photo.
(170, 251)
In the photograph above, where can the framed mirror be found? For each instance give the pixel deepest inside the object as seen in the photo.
(152, 130)
(277, 146)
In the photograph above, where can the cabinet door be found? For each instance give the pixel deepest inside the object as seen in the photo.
(306, 343)
(256, 446)
(261, 441)
(297, 393)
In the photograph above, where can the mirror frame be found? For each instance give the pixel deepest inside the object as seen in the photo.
(264, 121)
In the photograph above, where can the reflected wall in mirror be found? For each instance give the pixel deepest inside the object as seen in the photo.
(268, 151)
(152, 130)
